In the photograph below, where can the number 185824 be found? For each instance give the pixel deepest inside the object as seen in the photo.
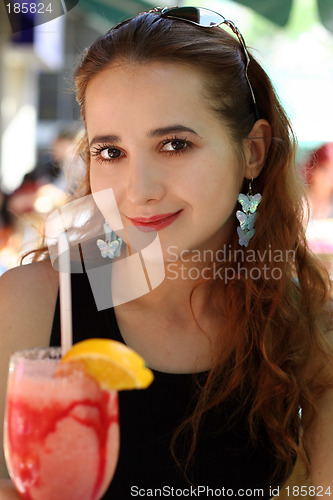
(311, 491)
(27, 7)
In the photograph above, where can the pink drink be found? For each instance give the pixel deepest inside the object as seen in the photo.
(61, 433)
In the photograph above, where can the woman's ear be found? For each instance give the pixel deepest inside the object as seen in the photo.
(256, 148)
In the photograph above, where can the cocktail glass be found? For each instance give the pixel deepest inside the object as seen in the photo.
(61, 436)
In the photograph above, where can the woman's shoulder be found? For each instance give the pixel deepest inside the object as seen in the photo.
(37, 279)
(321, 357)
(27, 296)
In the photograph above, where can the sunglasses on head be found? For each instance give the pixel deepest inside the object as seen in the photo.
(206, 18)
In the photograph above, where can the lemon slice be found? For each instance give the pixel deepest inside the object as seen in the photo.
(112, 364)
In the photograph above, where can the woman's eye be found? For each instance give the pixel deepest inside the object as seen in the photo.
(107, 153)
(175, 145)
(110, 153)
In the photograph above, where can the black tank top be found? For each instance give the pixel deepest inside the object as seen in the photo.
(225, 458)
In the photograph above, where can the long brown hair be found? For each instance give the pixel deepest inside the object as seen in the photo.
(272, 319)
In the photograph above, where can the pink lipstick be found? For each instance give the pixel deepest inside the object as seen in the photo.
(155, 222)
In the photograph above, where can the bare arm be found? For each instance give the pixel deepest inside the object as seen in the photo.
(319, 440)
(27, 300)
(320, 446)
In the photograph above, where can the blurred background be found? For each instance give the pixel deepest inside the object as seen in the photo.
(293, 40)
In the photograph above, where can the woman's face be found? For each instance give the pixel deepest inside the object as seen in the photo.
(169, 160)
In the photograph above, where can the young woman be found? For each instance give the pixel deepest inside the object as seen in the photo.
(182, 123)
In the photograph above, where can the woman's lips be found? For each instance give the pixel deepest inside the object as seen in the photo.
(155, 222)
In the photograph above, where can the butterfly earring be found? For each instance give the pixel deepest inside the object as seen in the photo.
(112, 245)
(248, 216)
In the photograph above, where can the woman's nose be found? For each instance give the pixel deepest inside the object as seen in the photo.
(145, 181)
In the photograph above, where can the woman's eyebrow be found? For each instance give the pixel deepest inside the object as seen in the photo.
(152, 133)
(104, 138)
(170, 129)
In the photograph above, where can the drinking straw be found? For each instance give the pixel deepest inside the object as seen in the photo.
(65, 293)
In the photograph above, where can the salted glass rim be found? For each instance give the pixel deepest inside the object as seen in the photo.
(37, 354)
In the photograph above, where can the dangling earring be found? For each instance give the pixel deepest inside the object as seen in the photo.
(112, 245)
(248, 216)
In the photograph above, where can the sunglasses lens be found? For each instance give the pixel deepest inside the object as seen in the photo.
(202, 17)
